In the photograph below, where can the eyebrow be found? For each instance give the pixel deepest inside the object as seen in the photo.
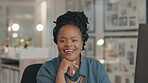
(70, 37)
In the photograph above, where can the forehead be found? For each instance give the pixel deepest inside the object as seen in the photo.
(69, 30)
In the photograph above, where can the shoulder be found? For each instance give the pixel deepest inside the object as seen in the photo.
(96, 68)
(93, 63)
(49, 67)
(51, 63)
(90, 60)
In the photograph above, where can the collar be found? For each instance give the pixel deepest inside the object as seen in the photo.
(83, 67)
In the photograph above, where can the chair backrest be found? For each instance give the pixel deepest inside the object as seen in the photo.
(30, 72)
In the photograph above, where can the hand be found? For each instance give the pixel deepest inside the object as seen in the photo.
(67, 66)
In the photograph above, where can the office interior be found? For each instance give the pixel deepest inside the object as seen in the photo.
(26, 34)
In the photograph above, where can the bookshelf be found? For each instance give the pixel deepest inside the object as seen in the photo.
(12, 66)
(12, 69)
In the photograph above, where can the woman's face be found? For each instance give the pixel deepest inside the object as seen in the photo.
(69, 42)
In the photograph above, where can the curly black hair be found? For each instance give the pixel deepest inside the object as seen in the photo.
(74, 18)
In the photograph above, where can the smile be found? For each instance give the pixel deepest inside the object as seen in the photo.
(69, 51)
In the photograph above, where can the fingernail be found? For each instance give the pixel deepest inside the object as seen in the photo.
(76, 66)
(74, 61)
(73, 72)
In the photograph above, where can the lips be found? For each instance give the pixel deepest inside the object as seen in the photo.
(69, 51)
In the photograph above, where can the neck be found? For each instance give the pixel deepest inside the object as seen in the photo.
(78, 61)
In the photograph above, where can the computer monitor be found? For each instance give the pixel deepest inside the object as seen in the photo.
(141, 70)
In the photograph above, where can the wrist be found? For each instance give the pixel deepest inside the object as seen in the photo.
(60, 78)
(60, 73)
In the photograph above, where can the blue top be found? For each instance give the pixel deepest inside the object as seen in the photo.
(92, 70)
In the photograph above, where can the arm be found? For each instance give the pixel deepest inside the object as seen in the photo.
(60, 78)
(62, 70)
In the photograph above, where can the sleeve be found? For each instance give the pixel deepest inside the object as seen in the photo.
(102, 75)
(44, 76)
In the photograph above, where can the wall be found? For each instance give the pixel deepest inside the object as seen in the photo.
(23, 14)
(58, 7)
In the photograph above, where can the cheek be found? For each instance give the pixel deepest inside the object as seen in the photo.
(80, 46)
(59, 46)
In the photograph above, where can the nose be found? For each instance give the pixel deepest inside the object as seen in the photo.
(68, 44)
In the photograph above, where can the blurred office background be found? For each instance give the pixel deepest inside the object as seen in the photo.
(26, 34)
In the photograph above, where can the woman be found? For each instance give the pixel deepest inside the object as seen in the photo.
(70, 35)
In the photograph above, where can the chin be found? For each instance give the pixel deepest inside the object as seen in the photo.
(70, 58)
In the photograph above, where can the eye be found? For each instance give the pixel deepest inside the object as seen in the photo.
(74, 40)
(62, 41)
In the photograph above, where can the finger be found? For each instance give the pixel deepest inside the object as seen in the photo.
(72, 71)
(65, 65)
(74, 62)
(66, 62)
(75, 65)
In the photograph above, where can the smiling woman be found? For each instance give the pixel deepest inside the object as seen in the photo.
(71, 66)
(70, 42)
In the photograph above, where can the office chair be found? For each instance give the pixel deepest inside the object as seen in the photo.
(30, 72)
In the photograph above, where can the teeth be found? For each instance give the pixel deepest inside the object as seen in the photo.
(69, 50)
